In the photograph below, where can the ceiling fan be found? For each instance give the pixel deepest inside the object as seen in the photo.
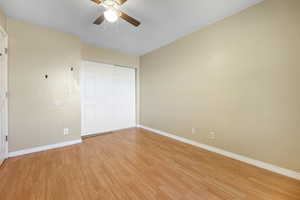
(112, 13)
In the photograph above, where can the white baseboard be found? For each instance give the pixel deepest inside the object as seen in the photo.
(103, 132)
(260, 164)
(93, 133)
(43, 148)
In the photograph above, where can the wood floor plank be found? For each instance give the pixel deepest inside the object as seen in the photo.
(136, 164)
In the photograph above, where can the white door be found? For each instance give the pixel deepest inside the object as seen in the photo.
(3, 97)
(107, 97)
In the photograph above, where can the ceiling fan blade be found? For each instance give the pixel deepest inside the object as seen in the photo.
(96, 1)
(120, 2)
(129, 19)
(99, 20)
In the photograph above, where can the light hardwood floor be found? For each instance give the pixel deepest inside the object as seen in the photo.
(136, 164)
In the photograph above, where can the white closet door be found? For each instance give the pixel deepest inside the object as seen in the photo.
(108, 98)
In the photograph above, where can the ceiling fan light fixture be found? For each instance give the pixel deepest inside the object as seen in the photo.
(111, 15)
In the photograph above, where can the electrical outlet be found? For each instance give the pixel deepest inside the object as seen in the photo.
(66, 131)
(212, 135)
(193, 131)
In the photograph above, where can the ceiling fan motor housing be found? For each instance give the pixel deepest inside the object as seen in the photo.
(109, 3)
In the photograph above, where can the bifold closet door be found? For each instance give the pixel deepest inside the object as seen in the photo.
(107, 97)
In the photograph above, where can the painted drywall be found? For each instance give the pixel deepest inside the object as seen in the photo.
(238, 78)
(2, 19)
(108, 56)
(39, 108)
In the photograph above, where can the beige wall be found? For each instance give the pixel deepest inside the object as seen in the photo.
(2, 19)
(108, 56)
(39, 108)
(239, 78)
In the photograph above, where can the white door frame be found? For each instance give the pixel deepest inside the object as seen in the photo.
(5, 85)
(81, 90)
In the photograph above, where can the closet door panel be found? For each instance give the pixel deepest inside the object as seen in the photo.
(108, 98)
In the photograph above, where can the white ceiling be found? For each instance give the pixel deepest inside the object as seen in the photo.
(163, 21)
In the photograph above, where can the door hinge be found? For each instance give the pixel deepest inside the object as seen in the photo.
(6, 50)
(6, 95)
(6, 138)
